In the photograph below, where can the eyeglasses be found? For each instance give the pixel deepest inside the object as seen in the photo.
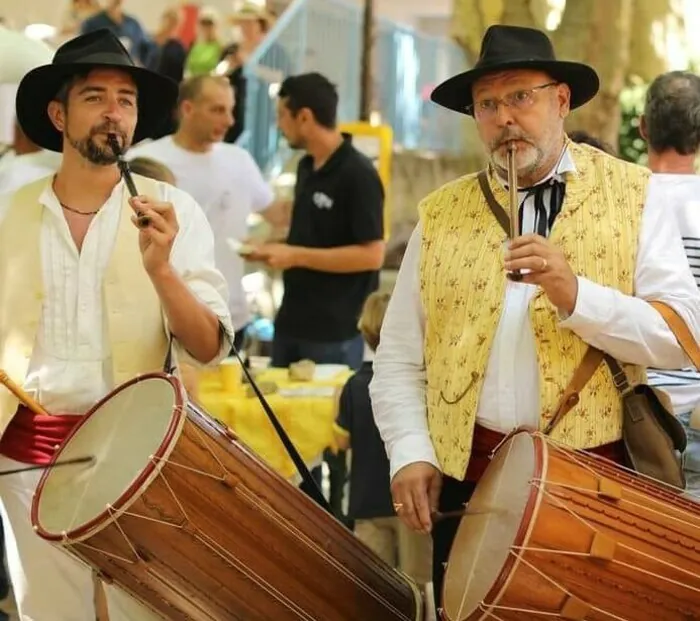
(517, 100)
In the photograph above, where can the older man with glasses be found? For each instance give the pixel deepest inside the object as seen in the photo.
(467, 352)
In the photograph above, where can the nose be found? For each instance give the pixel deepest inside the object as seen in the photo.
(112, 111)
(504, 115)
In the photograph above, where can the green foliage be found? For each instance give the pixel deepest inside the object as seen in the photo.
(631, 146)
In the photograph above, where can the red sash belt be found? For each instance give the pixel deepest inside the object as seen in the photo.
(485, 441)
(33, 438)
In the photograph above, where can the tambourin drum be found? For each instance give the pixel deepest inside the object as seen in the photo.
(552, 533)
(181, 515)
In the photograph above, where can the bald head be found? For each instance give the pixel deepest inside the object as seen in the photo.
(205, 106)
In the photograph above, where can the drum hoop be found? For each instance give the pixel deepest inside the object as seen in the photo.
(527, 524)
(150, 471)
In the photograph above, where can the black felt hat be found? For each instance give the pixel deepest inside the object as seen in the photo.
(157, 94)
(515, 47)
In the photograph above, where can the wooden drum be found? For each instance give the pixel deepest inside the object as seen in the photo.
(558, 534)
(186, 519)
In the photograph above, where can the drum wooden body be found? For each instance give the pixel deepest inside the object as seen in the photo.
(559, 534)
(185, 518)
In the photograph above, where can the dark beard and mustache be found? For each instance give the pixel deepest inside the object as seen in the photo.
(95, 153)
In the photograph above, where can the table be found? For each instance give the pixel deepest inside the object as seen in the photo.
(306, 410)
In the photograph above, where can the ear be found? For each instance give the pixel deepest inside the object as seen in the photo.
(57, 114)
(564, 100)
(305, 115)
(643, 127)
(186, 108)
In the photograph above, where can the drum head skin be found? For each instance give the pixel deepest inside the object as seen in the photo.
(128, 433)
(480, 560)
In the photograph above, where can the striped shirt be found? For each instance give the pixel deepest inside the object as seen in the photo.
(683, 385)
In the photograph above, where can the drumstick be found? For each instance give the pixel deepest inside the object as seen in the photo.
(67, 462)
(18, 392)
(513, 196)
(437, 516)
(143, 221)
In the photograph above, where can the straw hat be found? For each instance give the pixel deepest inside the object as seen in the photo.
(248, 11)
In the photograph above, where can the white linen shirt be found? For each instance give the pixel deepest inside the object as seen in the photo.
(71, 364)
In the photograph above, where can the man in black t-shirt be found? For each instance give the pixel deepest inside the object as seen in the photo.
(335, 247)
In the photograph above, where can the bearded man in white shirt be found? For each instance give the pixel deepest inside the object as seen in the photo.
(466, 353)
(89, 295)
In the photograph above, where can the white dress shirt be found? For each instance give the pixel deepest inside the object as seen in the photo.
(70, 368)
(626, 327)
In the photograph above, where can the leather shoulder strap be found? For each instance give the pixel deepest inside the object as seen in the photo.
(681, 331)
(590, 362)
(593, 357)
(494, 205)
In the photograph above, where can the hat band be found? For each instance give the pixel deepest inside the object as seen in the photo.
(99, 58)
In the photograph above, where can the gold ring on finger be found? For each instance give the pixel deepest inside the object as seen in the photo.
(544, 265)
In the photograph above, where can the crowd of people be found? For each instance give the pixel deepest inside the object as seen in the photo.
(464, 353)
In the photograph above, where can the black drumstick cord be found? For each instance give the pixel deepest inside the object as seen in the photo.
(314, 491)
(56, 464)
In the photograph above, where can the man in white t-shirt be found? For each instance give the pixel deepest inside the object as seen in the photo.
(671, 126)
(222, 178)
(28, 164)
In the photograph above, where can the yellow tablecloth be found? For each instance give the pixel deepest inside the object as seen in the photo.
(308, 420)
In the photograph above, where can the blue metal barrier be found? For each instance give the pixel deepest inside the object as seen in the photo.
(325, 36)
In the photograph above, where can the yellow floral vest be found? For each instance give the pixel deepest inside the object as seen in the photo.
(135, 320)
(462, 284)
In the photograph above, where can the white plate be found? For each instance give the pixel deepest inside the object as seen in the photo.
(329, 371)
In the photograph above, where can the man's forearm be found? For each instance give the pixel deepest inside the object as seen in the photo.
(343, 259)
(626, 327)
(194, 325)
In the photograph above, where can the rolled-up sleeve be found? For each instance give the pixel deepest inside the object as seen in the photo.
(193, 258)
(627, 327)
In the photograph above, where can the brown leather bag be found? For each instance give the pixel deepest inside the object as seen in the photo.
(653, 437)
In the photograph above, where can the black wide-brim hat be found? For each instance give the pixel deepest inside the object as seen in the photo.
(157, 94)
(514, 47)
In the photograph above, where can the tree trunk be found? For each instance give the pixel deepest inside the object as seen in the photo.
(659, 27)
(367, 86)
(618, 38)
(518, 13)
(470, 19)
(599, 34)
